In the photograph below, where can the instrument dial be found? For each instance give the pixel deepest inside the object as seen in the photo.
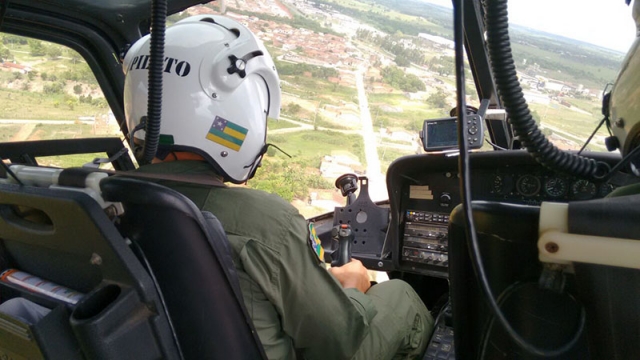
(528, 185)
(555, 187)
(605, 189)
(502, 184)
(583, 189)
(497, 184)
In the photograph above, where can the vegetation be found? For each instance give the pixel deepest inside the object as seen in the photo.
(297, 21)
(279, 124)
(397, 78)
(404, 55)
(7, 131)
(566, 59)
(292, 178)
(322, 72)
(310, 146)
(411, 117)
(438, 99)
(318, 89)
(289, 179)
(387, 155)
(383, 17)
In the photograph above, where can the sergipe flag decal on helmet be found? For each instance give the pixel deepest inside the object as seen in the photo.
(226, 133)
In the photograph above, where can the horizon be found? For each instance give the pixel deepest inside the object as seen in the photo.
(616, 33)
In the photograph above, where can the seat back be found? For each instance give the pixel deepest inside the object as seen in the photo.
(508, 235)
(188, 253)
(65, 237)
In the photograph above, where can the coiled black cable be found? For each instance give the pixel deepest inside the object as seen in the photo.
(524, 126)
(156, 63)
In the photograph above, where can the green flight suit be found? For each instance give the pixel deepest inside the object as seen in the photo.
(293, 300)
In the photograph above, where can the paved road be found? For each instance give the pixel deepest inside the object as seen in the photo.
(377, 181)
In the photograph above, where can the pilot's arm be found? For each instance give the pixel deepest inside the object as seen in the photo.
(324, 320)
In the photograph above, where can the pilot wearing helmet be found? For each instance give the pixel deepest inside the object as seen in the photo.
(220, 85)
(624, 108)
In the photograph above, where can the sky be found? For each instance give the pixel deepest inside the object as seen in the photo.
(607, 23)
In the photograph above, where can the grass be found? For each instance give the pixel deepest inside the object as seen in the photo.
(310, 146)
(73, 131)
(565, 69)
(578, 124)
(318, 89)
(18, 104)
(279, 124)
(410, 118)
(7, 131)
(67, 161)
(387, 155)
(324, 123)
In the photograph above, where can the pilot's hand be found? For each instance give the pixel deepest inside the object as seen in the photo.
(352, 275)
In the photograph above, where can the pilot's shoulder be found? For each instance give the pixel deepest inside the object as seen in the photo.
(252, 202)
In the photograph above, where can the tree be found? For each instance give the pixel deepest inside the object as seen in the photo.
(36, 48)
(438, 99)
(77, 89)
(293, 108)
(402, 61)
(396, 77)
(5, 54)
(53, 52)
(75, 57)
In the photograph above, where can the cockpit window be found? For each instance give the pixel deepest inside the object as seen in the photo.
(49, 92)
(358, 79)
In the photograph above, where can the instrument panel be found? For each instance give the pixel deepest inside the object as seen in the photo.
(426, 189)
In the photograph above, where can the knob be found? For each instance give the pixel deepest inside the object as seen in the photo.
(445, 198)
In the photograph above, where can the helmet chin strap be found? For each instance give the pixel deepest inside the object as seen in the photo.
(137, 149)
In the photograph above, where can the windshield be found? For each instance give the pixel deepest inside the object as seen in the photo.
(358, 79)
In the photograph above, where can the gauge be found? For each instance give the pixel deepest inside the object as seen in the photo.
(502, 184)
(604, 189)
(555, 187)
(528, 185)
(583, 189)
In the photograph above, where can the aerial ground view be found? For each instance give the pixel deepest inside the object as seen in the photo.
(358, 78)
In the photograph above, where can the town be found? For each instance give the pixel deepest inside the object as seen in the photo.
(343, 74)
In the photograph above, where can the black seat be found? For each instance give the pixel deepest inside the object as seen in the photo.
(188, 253)
(65, 237)
(508, 235)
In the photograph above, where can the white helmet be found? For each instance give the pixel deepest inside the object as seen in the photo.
(624, 103)
(220, 85)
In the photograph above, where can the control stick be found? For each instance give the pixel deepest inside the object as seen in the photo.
(343, 234)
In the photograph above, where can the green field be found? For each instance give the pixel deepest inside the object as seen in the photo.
(69, 160)
(310, 146)
(410, 118)
(19, 104)
(279, 124)
(387, 155)
(7, 131)
(318, 89)
(291, 178)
